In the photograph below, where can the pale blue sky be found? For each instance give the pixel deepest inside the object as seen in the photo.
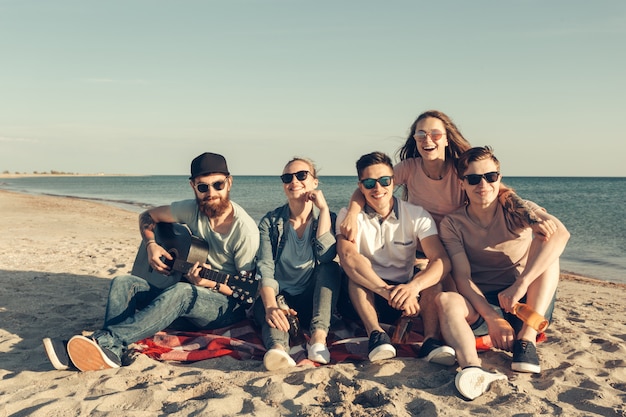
(141, 87)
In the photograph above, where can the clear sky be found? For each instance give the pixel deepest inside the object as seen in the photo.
(143, 86)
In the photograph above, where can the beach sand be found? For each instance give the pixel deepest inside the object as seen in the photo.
(59, 254)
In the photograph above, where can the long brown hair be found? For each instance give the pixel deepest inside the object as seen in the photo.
(457, 144)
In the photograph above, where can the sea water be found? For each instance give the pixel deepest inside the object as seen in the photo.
(589, 207)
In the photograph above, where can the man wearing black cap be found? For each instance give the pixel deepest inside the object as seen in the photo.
(136, 309)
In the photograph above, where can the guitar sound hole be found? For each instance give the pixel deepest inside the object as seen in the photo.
(174, 254)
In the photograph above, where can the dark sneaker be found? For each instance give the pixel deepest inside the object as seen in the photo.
(87, 355)
(380, 347)
(57, 353)
(473, 381)
(525, 357)
(434, 351)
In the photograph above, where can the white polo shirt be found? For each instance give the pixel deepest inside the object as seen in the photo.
(390, 244)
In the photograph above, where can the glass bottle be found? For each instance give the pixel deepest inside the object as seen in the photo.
(530, 317)
(401, 332)
(296, 335)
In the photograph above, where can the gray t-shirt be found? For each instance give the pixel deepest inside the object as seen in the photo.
(297, 262)
(231, 252)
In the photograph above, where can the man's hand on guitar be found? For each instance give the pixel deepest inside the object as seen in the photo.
(194, 276)
(156, 254)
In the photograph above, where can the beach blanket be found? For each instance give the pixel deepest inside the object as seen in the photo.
(347, 342)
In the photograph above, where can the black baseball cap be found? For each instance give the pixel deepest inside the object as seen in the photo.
(208, 163)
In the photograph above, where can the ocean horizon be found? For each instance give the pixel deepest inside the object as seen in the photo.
(590, 207)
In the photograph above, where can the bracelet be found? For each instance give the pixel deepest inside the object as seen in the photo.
(149, 242)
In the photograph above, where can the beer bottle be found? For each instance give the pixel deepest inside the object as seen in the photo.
(530, 317)
(296, 335)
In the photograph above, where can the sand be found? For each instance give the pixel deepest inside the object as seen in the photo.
(59, 254)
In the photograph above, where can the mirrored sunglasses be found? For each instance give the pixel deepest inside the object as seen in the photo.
(370, 183)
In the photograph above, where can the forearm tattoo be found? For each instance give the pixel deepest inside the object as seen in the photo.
(146, 222)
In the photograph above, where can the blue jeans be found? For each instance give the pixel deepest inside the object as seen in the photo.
(135, 310)
(314, 306)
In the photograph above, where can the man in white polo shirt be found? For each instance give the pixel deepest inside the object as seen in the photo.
(379, 263)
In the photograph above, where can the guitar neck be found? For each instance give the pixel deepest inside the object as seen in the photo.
(219, 277)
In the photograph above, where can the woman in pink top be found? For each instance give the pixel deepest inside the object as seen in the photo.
(427, 164)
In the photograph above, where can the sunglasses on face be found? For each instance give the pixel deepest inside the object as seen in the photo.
(473, 179)
(217, 185)
(370, 183)
(300, 176)
(434, 134)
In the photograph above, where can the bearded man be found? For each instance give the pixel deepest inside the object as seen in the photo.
(136, 309)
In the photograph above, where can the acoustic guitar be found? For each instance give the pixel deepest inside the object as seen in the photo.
(187, 249)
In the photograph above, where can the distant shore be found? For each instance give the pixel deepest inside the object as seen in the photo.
(64, 174)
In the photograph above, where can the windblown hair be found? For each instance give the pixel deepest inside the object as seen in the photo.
(457, 144)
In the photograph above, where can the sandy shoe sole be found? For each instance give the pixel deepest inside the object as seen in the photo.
(474, 382)
(86, 355)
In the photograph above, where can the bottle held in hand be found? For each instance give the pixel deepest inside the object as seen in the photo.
(530, 317)
(295, 331)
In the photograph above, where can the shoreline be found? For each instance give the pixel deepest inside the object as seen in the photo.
(135, 207)
(60, 254)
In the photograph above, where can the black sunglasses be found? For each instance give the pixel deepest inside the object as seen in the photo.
(370, 183)
(300, 176)
(217, 185)
(473, 179)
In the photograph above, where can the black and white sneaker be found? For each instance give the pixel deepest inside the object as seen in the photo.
(525, 357)
(435, 351)
(87, 355)
(380, 347)
(57, 353)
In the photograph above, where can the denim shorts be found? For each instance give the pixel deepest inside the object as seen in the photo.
(479, 327)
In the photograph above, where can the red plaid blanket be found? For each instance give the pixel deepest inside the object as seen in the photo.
(347, 342)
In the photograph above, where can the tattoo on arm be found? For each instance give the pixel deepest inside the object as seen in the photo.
(146, 223)
(518, 210)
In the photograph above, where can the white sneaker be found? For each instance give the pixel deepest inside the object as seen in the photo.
(275, 359)
(318, 352)
(473, 382)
